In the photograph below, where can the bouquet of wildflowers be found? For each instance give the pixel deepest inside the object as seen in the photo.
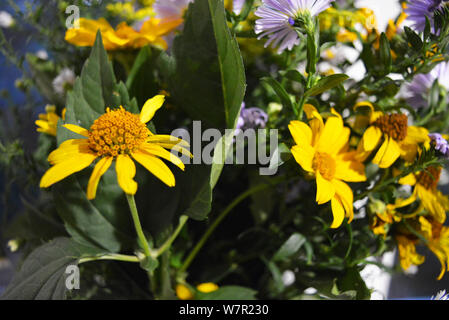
(210, 149)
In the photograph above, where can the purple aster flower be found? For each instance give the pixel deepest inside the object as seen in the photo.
(170, 9)
(440, 143)
(418, 10)
(251, 118)
(278, 17)
(237, 6)
(418, 89)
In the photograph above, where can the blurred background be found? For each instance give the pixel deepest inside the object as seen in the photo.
(417, 284)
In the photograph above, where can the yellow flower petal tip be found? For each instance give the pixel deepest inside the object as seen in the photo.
(183, 292)
(207, 287)
(150, 107)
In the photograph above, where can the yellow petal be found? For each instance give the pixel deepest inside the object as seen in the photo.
(77, 129)
(167, 139)
(416, 135)
(338, 212)
(325, 190)
(304, 156)
(156, 167)
(409, 179)
(207, 287)
(315, 121)
(371, 138)
(158, 151)
(63, 169)
(346, 197)
(301, 132)
(126, 170)
(330, 135)
(350, 170)
(100, 168)
(388, 153)
(69, 149)
(342, 142)
(176, 148)
(150, 107)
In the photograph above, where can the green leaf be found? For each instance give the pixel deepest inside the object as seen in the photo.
(414, 39)
(294, 75)
(101, 222)
(228, 293)
(326, 83)
(149, 264)
(280, 92)
(86, 222)
(42, 275)
(352, 281)
(290, 247)
(209, 82)
(385, 54)
(141, 81)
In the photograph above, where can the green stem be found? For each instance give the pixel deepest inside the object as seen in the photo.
(168, 243)
(220, 218)
(135, 215)
(117, 257)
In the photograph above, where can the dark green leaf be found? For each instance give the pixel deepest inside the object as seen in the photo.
(228, 293)
(326, 83)
(414, 39)
(385, 54)
(290, 247)
(43, 274)
(280, 92)
(209, 82)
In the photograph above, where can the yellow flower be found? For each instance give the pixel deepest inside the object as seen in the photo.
(121, 136)
(127, 11)
(323, 150)
(346, 36)
(425, 189)
(392, 132)
(407, 251)
(48, 122)
(124, 37)
(384, 216)
(183, 292)
(207, 287)
(437, 237)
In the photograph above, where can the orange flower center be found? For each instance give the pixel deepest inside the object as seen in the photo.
(429, 178)
(117, 132)
(324, 164)
(394, 125)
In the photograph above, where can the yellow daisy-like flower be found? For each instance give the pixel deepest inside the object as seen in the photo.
(407, 251)
(124, 37)
(437, 237)
(119, 136)
(425, 189)
(48, 122)
(384, 216)
(392, 132)
(323, 151)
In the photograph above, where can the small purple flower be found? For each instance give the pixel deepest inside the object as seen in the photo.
(237, 6)
(418, 89)
(418, 10)
(251, 118)
(170, 9)
(277, 18)
(440, 143)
